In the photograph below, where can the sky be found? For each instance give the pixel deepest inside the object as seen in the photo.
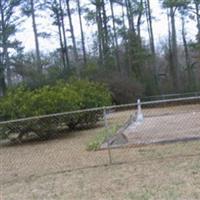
(160, 29)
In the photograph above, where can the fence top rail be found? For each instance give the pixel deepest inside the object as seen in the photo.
(197, 93)
(101, 109)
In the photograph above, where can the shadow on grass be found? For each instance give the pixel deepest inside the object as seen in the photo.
(33, 139)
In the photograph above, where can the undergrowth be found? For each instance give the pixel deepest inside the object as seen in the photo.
(101, 137)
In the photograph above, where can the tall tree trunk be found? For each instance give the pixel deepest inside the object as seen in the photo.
(38, 59)
(72, 30)
(3, 54)
(60, 38)
(100, 32)
(2, 81)
(123, 16)
(65, 47)
(132, 41)
(150, 27)
(116, 45)
(105, 32)
(82, 34)
(151, 39)
(187, 56)
(170, 47)
(197, 3)
(6, 62)
(9, 75)
(130, 15)
(73, 39)
(174, 49)
(139, 23)
(128, 60)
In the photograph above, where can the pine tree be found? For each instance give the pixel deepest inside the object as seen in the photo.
(172, 7)
(29, 9)
(82, 33)
(197, 11)
(58, 20)
(8, 28)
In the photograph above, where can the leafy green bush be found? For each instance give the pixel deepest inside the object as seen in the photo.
(93, 95)
(22, 102)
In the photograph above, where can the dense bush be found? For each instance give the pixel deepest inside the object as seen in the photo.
(22, 102)
(124, 90)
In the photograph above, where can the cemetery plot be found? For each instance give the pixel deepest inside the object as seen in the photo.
(169, 128)
(160, 125)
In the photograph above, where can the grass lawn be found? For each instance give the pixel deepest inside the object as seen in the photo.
(62, 168)
(161, 172)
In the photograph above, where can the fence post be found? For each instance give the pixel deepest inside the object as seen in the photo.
(105, 118)
(106, 129)
(109, 153)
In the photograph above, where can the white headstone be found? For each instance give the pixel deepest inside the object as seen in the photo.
(139, 116)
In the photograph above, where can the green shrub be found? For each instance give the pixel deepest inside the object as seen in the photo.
(22, 102)
(93, 95)
(14, 104)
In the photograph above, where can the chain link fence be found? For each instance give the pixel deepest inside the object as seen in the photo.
(100, 136)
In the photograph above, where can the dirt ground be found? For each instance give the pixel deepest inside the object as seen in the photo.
(165, 128)
(157, 172)
(61, 168)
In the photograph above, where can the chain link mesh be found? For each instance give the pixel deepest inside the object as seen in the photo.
(113, 134)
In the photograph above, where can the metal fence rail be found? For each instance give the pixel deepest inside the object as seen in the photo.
(188, 100)
(44, 126)
(171, 96)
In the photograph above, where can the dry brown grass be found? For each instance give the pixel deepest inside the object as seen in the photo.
(62, 169)
(161, 172)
